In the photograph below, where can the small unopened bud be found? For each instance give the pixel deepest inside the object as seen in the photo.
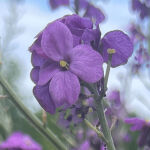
(111, 51)
(44, 118)
(90, 109)
(79, 115)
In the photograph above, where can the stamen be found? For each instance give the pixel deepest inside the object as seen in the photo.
(64, 64)
(111, 51)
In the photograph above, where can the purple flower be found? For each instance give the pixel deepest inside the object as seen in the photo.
(19, 141)
(141, 7)
(122, 45)
(58, 67)
(56, 3)
(95, 14)
(84, 146)
(142, 59)
(83, 4)
(127, 138)
(136, 33)
(137, 124)
(82, 30)
(144, 128)
(115, 103)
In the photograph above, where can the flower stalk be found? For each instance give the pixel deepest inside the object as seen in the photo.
(99, 133)
(100, 106)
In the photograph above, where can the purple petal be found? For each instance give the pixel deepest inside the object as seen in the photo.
(64, 88)
(94, 13)
(36, 46)
(35, 74)
(56, 41)
(92, 36)
(85, 146)
(19, 141)
(83, 4)
(137, 124)
(42, 95)
(47, 71)
(76, 40)
(38, 60)
(56, 3)
(121, 43)
(77, 24)
(86, 63)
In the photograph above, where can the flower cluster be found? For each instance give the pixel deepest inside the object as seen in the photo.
(20, 141)
(90, 11)
(69, 50)
(144, 127)
(142, 7)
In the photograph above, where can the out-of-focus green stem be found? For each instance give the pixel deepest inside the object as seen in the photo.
(76, 3)
(99, 133)
(50, 136)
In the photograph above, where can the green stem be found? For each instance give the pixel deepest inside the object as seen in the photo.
(100, 108)
(99, 133)
(107, 73)
(103, 122)
(76, 3)
(50, 136)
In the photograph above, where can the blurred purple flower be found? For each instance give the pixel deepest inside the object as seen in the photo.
(83, 4)
(136, 33)
(142, 59)
(95, 14)
(56, 3)
(141, 7)
(127, 138)
(115, 103)
(84, 146)
(55, 60)
(20, 141)
(137, 124)
(144, 127)
(121, 43)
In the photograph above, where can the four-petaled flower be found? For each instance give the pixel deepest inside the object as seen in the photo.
(144, 127)
(60, 66)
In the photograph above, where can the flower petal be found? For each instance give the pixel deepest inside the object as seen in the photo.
(42, 95)
(56, 3)
(56, 41)
(137, 124)
(121, 43)
(86, 63)
(77, 24)
(36, 46)
(94, 13)
(64, 88)
(92, 36)
(47, 71)
(38, 60)
(35, 74)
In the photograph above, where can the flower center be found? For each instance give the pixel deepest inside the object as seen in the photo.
(64, 64)
(111, 51)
